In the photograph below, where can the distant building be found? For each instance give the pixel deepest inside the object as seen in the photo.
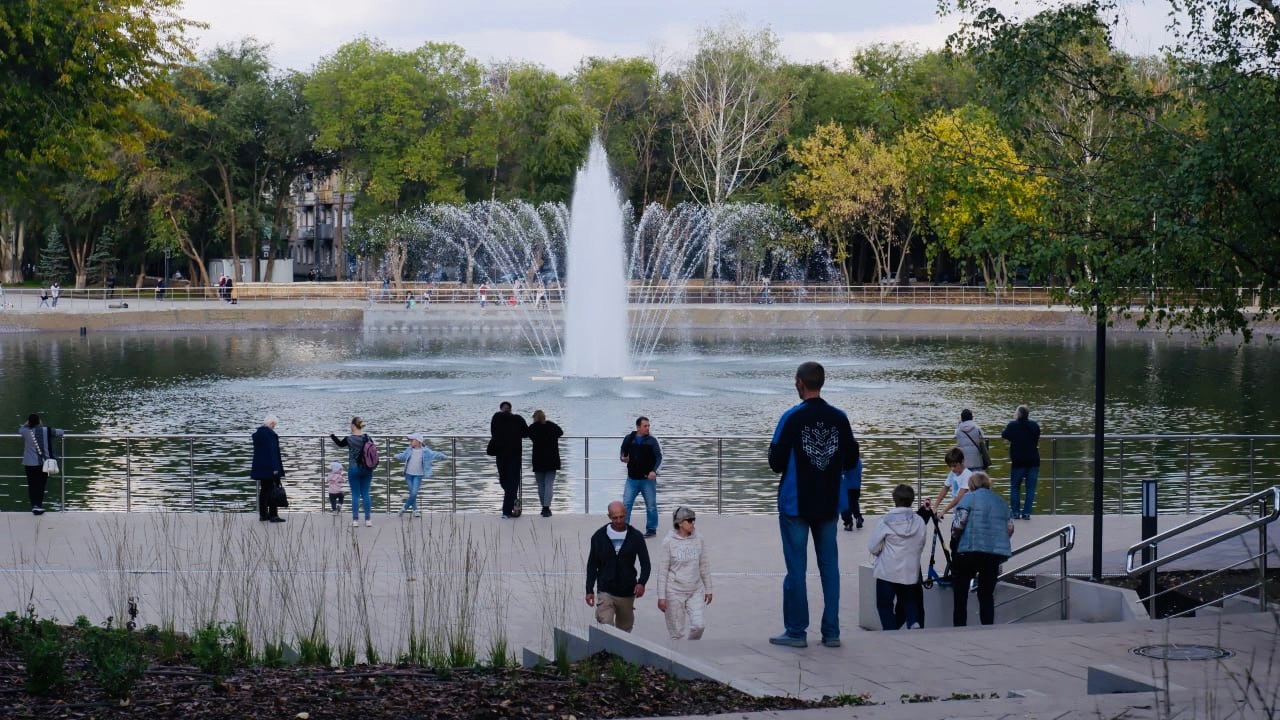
(316, 206)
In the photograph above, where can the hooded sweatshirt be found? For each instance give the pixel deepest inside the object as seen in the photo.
(968, 435)
(685, 566)
(896, 544)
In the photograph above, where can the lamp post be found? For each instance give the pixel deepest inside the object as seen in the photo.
(167, 253)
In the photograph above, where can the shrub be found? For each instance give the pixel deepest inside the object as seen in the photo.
(116, 660)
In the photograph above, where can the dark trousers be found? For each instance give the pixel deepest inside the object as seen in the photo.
(855, 510)
(905, 596)
(964, 567)
(266, 510)
(509, 479)
(37, 481)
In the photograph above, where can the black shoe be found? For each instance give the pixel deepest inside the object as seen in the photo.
(650, 533)
(859, 522)
(37, 510)
(546, 512)
(848, 527)
(278, 519)
(262, 519)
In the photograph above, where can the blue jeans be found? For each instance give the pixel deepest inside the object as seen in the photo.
(361, 481)
(648, 488)
(905, 595)
(415, 482)
(1030, 475)
(795, 594)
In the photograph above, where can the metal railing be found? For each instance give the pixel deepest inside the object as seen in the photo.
(1066, 536)
(695, 292)
(1267, 503)
(717, 473)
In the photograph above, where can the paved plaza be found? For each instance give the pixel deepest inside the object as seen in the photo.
(520, 578)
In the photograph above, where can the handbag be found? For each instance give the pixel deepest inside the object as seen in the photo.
(492, 448)
(278, 496)
(50, 466)
(984, 449)
(47, 463)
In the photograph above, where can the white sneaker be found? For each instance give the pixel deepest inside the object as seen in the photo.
(401, 513)
(368, 523)
(417, 514)
(355, 523)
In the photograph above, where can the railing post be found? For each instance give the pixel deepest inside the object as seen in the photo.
(586, 476)
(1263, 550)
(1062, 575)
(1251, 467)
(453, 475)
(919, 467)
(1053, 471)
(1122, 476)
(128, 475)
(62, 505)
(1187, 478)
(719, 476)
(387, 468)
(191, 469)
(324, 472)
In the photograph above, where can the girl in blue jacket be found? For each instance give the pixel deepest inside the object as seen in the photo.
(417, 459)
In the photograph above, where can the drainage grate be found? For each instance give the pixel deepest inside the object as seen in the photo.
(1182, 652)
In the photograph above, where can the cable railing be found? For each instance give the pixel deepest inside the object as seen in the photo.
(722, 474)
(1066, 537)
(1265, 502)
(695, 292)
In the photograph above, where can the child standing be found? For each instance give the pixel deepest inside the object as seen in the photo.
(417, 459)
(684, 583)
(896, 545)
(336, 480)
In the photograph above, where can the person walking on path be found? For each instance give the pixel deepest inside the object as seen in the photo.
(896, 545)
(545, 435)
(851, 487)
(969, 439)
(611, 569)
(359, 476)
(643, 456)
(37, 447)
(55, 290)
(684, 582)
(336, 480)
(267, 469)
(417, 459)
(812, 447)
(980, 533)
(507, 431)
(1023, 435)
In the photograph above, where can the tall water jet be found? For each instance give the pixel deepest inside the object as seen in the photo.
(596, 326)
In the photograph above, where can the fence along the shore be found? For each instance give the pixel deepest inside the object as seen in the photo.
(724, 474)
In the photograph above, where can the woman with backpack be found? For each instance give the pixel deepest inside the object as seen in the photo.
(362, 458)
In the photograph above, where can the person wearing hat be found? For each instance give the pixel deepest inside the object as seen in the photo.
(336, 481)
(684, 582)
(417, 459)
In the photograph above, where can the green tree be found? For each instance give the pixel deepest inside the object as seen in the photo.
(546, 127)
(54, 264)
(71, 70)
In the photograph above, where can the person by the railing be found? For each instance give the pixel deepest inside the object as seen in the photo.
(37, 448)
(111, 285)
(359, 476)
(969, 438)
(507, 431)
(545, 435)
(643, 455)
(1023, 435)
(896, 544)
(55, 290)
(812, 447)
(417, 459)
(267, 469)
(980, 534)
(336, 480)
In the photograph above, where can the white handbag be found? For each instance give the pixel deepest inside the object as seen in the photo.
(51, 466)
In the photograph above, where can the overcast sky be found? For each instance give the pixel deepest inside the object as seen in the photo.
(559, 33)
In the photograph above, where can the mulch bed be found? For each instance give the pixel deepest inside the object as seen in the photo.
(598, 687)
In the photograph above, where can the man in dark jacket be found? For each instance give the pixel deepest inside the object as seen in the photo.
(267, 468)
(507, 431)
(643, 456)
(813, 447)
(611, 568)
(1023, 435)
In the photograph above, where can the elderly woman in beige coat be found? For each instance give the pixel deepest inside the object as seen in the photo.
(684, 580)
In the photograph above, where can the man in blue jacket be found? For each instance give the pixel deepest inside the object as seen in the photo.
(643, 456)
(813, 447)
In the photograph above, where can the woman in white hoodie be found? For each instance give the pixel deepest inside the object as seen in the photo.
(896, 544)
(684, 582)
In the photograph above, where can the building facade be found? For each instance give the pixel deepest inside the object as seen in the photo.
(319, 210)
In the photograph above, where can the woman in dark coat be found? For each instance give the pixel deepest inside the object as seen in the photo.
(545, 436)
(268, 468)
(37, 446)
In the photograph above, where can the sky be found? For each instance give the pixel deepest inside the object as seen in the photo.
(559, 33)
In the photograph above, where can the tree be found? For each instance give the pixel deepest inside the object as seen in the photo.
(545, 128)
(1191, 215)
(54, 265)
(978, 197)
(71, 69)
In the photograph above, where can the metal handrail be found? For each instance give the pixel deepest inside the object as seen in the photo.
(1066, 537)
(1262, 498)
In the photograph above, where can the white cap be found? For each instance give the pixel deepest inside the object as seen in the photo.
(335, 465)
(414, 436)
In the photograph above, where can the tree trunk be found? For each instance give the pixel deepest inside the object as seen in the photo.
(228, 204)
(12, 241)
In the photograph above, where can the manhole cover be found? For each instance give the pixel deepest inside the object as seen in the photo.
(1182, 652)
